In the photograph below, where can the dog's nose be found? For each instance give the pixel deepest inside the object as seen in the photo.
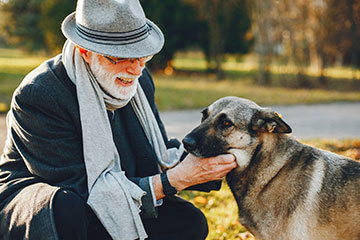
(189, 143)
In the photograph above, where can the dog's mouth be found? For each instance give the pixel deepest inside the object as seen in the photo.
(231, 150)
(204, 155)
(196, 153)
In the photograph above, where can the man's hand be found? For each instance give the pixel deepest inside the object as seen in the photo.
(193, 170)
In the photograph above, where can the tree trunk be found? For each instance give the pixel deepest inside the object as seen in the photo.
(263, 45)
(354, 42)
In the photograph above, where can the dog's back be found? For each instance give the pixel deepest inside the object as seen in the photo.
(304, 193)
(338, 202)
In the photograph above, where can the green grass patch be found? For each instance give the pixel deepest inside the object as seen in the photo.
(195, 61)
(198, 90)
(239, 67)
(221, 210)
(14, 66)
(191, 87)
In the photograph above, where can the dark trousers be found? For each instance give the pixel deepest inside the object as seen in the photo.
(177, 220)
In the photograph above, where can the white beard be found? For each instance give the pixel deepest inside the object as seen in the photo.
(107, 81)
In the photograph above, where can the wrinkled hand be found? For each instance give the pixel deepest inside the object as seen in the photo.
(193, 170)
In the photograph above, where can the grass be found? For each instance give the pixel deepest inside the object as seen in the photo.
(190, 87)
(14, 65)
(197, 91)
(195, 61)
(220, 208)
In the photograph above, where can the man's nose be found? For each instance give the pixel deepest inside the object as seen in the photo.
(135, 67)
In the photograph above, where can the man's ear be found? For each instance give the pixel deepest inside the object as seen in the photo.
(264, 121)
(85, 54)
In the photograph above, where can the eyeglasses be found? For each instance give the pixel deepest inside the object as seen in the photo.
(117, 60)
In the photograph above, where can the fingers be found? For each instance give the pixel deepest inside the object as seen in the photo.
(221, 164)
(222, 159)
(215, 167)
(194, 170)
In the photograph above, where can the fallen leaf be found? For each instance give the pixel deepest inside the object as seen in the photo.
(220, 228)
(200, 199)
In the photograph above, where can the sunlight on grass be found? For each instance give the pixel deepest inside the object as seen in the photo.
(185, 92)
(12, 59)
(196, 61)
(24, 62)
(194, 90)
(14, 66)
(348, 147)
(221, 212)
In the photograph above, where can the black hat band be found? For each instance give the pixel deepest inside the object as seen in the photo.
(114, 38)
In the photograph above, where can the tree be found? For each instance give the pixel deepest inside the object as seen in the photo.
(179, 24)
(227, 23)
(52, 14)
(261, 13)
(343, 18)
(35, 24)
(21, 27)
(2, 19)
(289, 31)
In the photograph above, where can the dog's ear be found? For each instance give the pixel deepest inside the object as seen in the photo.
(264, 121)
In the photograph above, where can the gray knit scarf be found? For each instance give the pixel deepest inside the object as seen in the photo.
(115, 200)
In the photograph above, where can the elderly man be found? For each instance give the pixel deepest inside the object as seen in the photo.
(87, 156)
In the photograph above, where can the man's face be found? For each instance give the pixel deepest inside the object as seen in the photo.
(117, 80)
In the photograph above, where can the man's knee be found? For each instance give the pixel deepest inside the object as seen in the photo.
(186, 221)
(70, 215)
(197, 225)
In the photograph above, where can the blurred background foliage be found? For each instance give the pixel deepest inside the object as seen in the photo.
(34, 25)
(303, 33)
(265, 50)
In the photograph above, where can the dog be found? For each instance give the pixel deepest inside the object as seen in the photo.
(284, 189)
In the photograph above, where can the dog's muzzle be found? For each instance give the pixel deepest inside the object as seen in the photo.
(189, 143)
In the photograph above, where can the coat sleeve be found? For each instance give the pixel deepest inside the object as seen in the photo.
(45, 137)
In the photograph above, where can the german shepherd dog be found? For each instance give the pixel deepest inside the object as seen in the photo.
(284, 189)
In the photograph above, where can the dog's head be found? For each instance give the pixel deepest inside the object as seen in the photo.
(233, 125)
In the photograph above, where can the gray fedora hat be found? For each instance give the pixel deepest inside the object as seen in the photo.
(116, 28)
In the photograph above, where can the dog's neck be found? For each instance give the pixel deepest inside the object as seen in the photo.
(248, 184)
(262, 165)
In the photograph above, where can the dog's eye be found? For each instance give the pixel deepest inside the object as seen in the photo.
(227, 123)
(224, 121)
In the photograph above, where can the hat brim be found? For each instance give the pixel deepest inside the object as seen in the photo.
(148, 46)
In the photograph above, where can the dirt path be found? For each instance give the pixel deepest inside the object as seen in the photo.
(335, 120)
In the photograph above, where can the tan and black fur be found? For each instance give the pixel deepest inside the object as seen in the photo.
(284, 189)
